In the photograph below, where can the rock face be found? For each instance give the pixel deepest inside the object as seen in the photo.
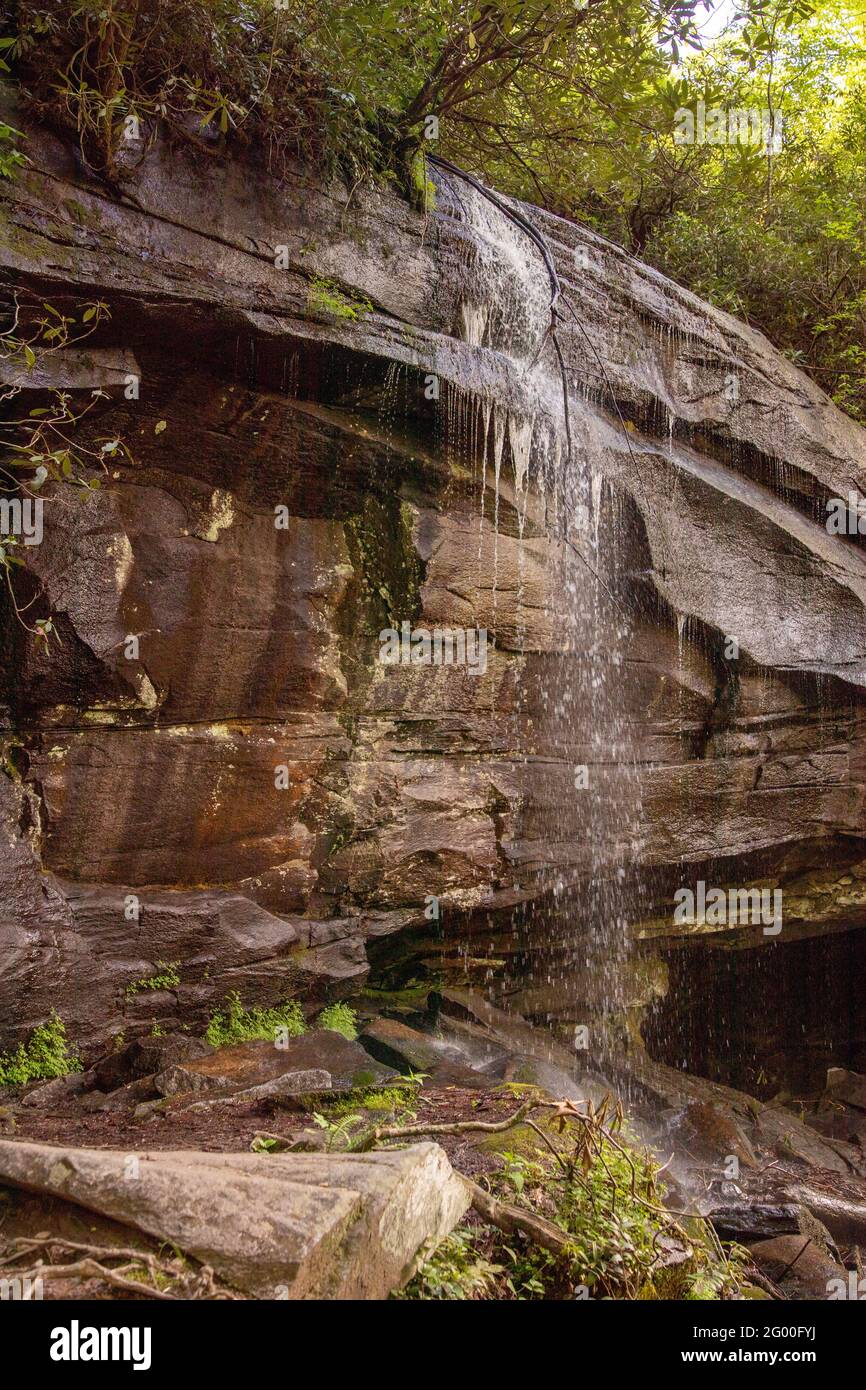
(296, 1226)
(247, 790)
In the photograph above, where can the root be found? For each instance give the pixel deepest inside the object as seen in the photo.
(372, 1137)
(97, 1262)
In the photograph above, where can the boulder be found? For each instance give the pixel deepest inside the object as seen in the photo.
(122, 1098)
(255, 1064)
(59, 1089)
(293, 1086)
(844, 1216)
(398, 1045)
(847, 1087)
(298, 1226)
(145, 1056)
(798, 1265)
(749, 1220)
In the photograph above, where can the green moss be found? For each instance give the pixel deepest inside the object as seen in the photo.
(396, 1097)
(412, 996)
(235, 1024)
(383, 555)
(520, 1140)
(46, 1055)
(167, 978)
(423, 189)
(339, 1018)
(327, 300)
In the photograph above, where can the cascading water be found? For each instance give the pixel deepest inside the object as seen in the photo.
(582, 801)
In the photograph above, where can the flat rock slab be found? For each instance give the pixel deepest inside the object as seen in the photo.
(255, 1064)
(290, 1087)
(394, 1042)
(329, 1226)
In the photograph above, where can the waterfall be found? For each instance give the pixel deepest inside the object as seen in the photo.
(572, 734)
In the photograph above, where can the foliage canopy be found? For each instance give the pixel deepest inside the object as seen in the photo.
(570, 105)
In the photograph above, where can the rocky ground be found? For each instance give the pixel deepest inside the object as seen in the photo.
(147, 1120)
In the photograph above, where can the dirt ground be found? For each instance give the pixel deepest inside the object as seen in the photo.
(216, 1129)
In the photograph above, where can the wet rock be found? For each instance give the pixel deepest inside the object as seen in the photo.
(790, 1138)
(256, 1064)
(749, 1220)
(525, 1055)
(397, 1045)
(847, 1087)
(273, 1225)
(401, 783)
(797, 1265)
(754, 1220)
(843, 1216)
(663, 1099)
(718, 1132)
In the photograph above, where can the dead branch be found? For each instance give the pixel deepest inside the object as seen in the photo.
(517, 1220)
(454, 1127)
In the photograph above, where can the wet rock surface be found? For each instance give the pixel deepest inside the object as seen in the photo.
(798, 1266)
(253, 804)
(154, 776)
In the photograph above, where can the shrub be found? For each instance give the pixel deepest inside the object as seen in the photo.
(339, 1018)
(47, 1054)
(167, 978)
(236, 1024)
